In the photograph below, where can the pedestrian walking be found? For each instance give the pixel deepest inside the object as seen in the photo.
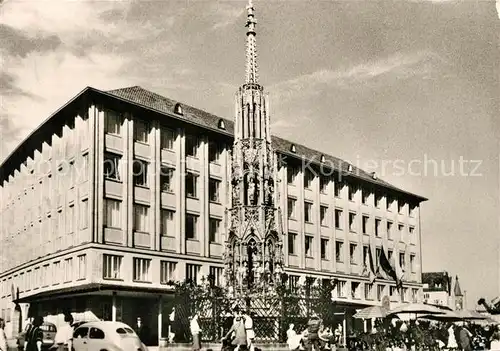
(195, 332)
(238, 328)
(313, 326)
(34, 337)
(64, 336)
(3, 337)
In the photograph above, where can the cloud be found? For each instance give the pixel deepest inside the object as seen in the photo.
(384, 71)
(225, 13)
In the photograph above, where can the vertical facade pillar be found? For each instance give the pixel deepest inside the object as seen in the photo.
(113, 307)
(160, 318)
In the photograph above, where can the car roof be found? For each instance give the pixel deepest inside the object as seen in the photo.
(105, 325)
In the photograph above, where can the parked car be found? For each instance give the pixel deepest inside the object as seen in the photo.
(106, 336)
(49, 332)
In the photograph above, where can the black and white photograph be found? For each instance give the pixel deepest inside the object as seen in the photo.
(249, 175)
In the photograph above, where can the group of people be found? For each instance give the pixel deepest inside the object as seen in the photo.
(239, 337)
(397, 335)
(315, 337)
(63, 340)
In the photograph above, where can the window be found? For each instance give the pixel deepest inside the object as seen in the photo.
(113, 122)
(85, 168)
(401, 229)
(337, 188)
(142, 270)
(96, 333)
(402, 260)
(70, 219)
(291, 174)
(291, 207)
(412, 263)
(308, 215)
(377, 226)
(323, 184)
(308, 179)
(46, 278)
(191, 146)
(365, 224)
(338, 219)
(378, 252)
(355, 290)
(351, 192)
(191, 226)
(167, 178)
(352, 222)
(112, 217)
(411, 230)
(378, 200)
(213, 152)
(380, 292)
(213, 190)
(339, 251)
(293, 282)
(167, 138)
(140, 173)
(192, 272)
(366, 253)
(167, 223)
(141, 223)
(68, 270)
(192, 185)
(80, 333)
(389, 201)
(324, 249)
(112, 166)
(309, 246)
(214, 227)
(324, 215)
(84, 214)
(82, 267)
(401, 206)
(341, 287)
(414, 295)
(389, 254)
(368, 291)
(56, 273)
(392, 291)
(365, 194)
(141, 131)
(413, 210)
(167, 271)
(352, 253)
(216, 273)
(292, 237)
(112, 266)
(389, 230)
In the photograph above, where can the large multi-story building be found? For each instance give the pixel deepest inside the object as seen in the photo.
(119, 192)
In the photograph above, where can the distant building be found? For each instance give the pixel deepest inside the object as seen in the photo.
(440, 290)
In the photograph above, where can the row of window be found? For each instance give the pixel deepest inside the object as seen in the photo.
(113, 170)
(339, 251)
(338, 220)
(142, 128)
(112, 269)
(63, 271)
(358, 290)
(352, 190)
(141, 221)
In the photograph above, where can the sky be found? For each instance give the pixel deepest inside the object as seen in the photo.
(409, 89)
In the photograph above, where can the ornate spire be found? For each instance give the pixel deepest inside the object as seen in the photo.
(252, 74)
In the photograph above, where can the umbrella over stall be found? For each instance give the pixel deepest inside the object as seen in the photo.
(372, 312)
(417, 309)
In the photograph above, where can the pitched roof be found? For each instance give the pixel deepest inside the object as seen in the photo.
(456, 290)
(150, 100)
(437, 281)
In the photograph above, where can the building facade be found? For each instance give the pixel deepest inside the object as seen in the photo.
(120, 192)
(439, 289)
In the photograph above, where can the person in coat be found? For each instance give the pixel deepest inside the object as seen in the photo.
(238, 328)
(195, 332)
(465, 339)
